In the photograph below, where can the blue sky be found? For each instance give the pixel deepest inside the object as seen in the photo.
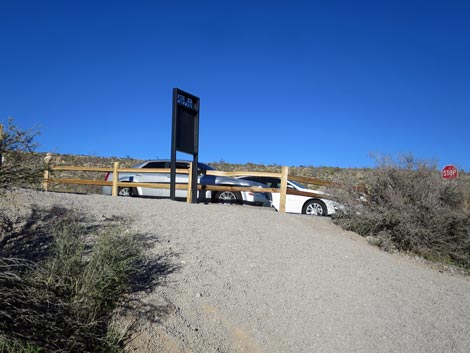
(322, 83)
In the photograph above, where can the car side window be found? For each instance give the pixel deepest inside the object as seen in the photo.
(265, 180)
(262, 180)
(257, 179)
(274, 183)
(154, 165)
(181, 165)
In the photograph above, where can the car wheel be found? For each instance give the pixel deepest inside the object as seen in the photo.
(315, 208)
(228, 197)
(126, 191)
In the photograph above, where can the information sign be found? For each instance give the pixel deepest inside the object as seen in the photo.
(185, 135)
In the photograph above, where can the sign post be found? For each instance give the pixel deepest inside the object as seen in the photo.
(185, 136)
(449, 172)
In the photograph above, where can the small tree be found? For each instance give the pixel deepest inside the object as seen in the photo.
(18, 167)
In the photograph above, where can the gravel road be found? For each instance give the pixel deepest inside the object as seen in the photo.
(252, 280)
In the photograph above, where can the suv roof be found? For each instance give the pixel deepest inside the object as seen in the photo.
(200, 165)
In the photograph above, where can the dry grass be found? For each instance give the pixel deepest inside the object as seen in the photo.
(61, 276)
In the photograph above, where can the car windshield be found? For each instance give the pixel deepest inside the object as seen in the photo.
(299, 185)
(203, 166)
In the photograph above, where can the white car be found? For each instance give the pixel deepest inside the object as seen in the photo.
(310, 205)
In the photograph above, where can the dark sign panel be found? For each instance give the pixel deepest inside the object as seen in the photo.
(186, 121)
(185, 135)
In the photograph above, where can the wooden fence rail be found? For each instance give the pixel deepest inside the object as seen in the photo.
(115, 183)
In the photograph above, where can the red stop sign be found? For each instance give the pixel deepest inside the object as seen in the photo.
(449, 172)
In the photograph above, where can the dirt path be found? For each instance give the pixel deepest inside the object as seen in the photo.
(253, 280)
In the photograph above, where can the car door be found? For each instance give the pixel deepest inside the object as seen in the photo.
(181, 178)
(154, 178)
(275, 183)
(293, 202)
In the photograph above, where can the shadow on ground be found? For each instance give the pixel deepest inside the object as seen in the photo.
(27, 244)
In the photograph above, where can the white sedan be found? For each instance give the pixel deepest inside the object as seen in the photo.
(310, 205)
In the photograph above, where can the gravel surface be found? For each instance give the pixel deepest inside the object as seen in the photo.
(252, 280)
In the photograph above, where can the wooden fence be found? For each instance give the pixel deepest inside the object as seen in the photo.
(116, 170)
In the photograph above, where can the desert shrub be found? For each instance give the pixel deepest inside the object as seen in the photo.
(60, 298)
(18, 165)
(411, 208)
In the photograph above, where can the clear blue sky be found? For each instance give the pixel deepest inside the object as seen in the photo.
(321, 83)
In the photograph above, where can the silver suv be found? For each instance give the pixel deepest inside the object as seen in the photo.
(246, 197)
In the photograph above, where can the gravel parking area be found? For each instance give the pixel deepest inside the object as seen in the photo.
(252, 280)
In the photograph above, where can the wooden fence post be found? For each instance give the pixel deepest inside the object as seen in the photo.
(115, 179)
(190, 178)
(282, 202)
(45, 182)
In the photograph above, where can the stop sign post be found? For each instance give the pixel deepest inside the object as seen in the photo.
(449, 172)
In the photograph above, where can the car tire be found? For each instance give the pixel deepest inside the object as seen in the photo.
(126, 191)
(315, 208)
(228, 197)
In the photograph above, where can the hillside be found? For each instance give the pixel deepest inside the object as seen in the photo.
(247, 279)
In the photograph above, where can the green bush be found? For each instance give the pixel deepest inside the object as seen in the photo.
(411, 208)
(60, 280)
(20, 166)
